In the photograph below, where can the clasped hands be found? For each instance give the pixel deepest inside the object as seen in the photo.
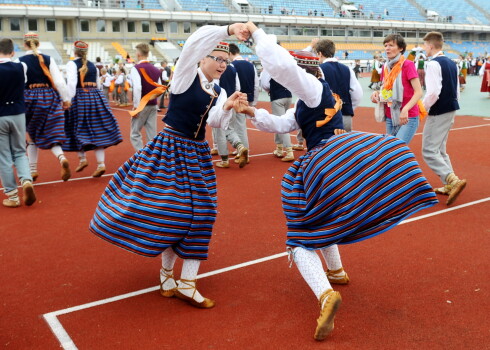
(239, 102)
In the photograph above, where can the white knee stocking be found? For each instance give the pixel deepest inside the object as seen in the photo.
(100, 156)
(32, 154)
(58, 152)
(310, 267)
(190, 267)
(332, 257)
(168, 261)
(82, 156)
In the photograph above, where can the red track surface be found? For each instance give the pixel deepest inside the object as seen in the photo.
(423, 285)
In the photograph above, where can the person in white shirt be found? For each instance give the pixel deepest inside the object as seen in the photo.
(441, 102)
(122, 91)
(147, 117)
(46, 98)
(106, 80)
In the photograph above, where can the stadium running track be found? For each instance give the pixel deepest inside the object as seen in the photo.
(423, 285)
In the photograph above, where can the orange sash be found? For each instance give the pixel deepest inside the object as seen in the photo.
(330, 112)
(157, 91)
(390, 77)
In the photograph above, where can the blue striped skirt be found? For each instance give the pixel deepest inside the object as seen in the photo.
(90, 123)
(352, 187)
(163, 196)
(45, 118)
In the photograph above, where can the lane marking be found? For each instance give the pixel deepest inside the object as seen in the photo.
(68, 344)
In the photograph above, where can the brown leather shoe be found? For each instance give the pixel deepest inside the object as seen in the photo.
(325, 323)
(456, 189)
(82, 165)
(65, 170)
(205, 304)
(34, 175)
(222, 164)
(11, 203)
(167, 293)
(29, 195)
(242, 156)
(99, 171)
(337, 276)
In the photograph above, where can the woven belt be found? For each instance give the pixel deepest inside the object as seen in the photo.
(34, 86)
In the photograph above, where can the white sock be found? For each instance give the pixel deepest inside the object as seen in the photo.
(100, 157)
(332, 257)
(190, 267)
(310, 267)
(13, 195)
(32, 154)
(58, 152)
(168, 261)
(82, 156)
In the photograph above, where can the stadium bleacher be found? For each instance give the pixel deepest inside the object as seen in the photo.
(476, 48)
(458, 11)
(402, 10)
(208, 5)
(301, 8)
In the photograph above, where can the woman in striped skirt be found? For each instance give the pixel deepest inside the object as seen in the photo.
(346, 188)
(90, 124)
(163, 199)
(45, 118)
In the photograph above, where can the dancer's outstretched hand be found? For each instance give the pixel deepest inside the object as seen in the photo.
(240, 30)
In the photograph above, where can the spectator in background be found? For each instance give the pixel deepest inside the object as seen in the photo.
(98, 64)
(400, 90)
(166, 72)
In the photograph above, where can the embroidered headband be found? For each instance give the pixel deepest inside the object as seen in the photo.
(222, 47)
(31, 36)
(80, 45)
(305, 58)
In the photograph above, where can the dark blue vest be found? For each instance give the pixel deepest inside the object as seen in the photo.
(12, 93)
(228, 80)
(306, 118)
(246, 75)
(187, 112)
(448, 98)
(277, 91)
(337, 76)
(90, 76)
(35, 74)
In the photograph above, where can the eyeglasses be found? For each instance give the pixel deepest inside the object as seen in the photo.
(219, 59)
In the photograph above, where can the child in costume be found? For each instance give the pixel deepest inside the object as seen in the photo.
(46, 98)
(90, 124)
(162, 201)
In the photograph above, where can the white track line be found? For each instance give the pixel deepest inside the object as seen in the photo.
(67, 343)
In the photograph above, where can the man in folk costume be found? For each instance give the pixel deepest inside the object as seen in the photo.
(281, 99)
(249, 84)
(341, 78)
(46, 96)
(146, 118)
(231, 83)
(90, 124)
(441, 101)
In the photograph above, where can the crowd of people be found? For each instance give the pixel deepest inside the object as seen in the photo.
(348, 186)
